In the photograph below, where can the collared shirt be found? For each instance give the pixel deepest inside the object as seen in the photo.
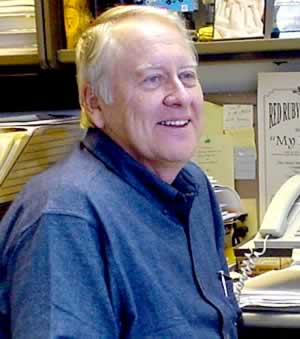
(99, 247)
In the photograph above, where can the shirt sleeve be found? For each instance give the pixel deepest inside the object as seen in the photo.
(58, 282)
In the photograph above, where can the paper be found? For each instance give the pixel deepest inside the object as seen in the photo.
(244, 163)
(213, 119)
(242, 137)
(238, 116)
(275, 289)
(214, 155)
(244, 153)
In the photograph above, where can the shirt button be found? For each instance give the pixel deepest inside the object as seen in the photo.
(165, 211)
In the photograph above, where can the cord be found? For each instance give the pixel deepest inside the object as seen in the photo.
(247, 268)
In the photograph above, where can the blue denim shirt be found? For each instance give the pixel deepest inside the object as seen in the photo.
(99, 247)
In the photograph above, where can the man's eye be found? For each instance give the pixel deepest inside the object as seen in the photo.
(189, 78)
(153, 80)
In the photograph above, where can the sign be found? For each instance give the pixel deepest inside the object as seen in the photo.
(278, 114)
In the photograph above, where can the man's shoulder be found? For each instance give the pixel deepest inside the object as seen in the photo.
(64, 188)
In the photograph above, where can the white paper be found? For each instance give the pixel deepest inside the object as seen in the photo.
(238, 116)
(244, 163)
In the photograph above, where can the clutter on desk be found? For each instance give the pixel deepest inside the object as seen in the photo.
(29, 145)
(233, 214)
(275, 290)
(17, 27)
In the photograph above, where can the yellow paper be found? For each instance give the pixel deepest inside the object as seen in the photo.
(213, 119)
(214, 154)
(242, 137)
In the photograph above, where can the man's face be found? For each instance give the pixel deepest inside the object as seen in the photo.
(157, 99)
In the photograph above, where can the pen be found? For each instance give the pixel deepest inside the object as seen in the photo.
(223, 278)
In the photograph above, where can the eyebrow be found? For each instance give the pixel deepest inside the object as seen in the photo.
(145, 67)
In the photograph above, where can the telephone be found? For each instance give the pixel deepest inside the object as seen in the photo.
(280, 228)
(282, 219)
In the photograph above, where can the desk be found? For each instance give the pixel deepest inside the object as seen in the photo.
(276, 325)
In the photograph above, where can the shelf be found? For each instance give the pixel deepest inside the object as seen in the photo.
(247, 46)
(12, 57)
(248, 49)
(66, 56)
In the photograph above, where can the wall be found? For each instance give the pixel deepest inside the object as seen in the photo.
(239, 76)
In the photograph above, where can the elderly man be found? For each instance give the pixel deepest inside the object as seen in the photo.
(123, 239)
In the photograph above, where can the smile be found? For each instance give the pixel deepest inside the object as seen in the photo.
(174, 123)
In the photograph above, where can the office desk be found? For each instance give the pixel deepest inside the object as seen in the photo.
(277, 325)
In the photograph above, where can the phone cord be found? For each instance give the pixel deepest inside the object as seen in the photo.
(247, 267)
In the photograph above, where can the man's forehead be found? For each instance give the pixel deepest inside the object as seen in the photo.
(137, 28)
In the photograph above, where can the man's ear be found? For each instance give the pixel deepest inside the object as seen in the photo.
(93, 106)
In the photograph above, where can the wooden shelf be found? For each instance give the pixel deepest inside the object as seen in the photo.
(19, 57)
(248, 49)
(66, 56)
(247, 46)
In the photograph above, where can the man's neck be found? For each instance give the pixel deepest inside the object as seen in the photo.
(165, 171)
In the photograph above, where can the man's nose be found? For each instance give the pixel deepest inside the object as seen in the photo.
(177, 94)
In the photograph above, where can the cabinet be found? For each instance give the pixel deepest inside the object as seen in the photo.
(52, 54)
(50, 69)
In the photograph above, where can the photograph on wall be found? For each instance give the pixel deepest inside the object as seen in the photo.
(278, 126)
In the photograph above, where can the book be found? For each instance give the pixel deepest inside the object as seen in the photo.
(29, 148)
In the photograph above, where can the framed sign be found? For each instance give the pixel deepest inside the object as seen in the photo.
(278, 126)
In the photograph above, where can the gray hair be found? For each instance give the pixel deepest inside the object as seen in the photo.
(96, 48)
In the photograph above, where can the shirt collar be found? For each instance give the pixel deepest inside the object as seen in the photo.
(135, 174)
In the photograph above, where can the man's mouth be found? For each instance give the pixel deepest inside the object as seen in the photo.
(174, 123)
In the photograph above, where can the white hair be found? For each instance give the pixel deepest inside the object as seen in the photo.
(97, 47)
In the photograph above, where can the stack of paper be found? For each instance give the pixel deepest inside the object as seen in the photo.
(273, 290)
(230, 203)
(17, 26)
(27, 148)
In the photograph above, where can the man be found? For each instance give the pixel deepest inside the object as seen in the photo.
(123, 239)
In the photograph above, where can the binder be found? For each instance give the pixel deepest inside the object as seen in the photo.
(29, 148)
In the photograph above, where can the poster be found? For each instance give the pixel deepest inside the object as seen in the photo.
(214, 154)
(278, 127)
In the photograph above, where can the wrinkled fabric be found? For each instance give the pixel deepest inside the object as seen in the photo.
(99, 247)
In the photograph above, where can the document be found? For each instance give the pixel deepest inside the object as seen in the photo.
(244, 153)
(238, 116)
(213, 119)
(214, 154)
